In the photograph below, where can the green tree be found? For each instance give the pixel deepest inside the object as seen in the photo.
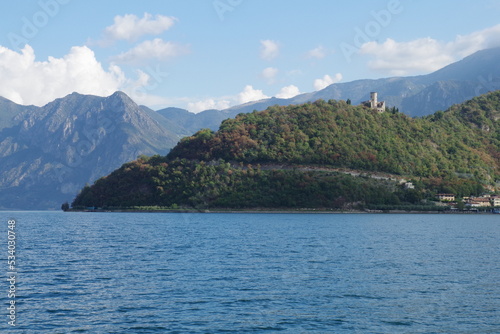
(65, 206)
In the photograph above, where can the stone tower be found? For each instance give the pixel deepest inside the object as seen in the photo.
(373, 99)
(373, 103)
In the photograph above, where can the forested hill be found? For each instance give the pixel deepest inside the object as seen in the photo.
(464, 139)
(455, 151)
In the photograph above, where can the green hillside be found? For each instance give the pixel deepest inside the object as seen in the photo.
(239, 165)
(337, 134)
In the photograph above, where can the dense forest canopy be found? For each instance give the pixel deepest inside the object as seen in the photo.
(455, 151)
(334, 133)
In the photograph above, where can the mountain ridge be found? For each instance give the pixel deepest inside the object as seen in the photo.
(53, 150)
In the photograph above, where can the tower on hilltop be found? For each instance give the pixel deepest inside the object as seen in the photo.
(374, 104)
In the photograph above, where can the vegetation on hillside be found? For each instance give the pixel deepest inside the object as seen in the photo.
(454, 151)
(337, 134)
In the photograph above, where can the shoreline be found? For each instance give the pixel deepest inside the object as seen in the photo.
(282, 211)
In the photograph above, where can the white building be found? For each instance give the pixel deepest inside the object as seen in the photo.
(446, 197)
(409, 185)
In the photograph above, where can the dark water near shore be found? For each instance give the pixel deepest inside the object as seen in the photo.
(254, 273)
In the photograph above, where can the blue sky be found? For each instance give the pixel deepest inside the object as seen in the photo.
(201, 54)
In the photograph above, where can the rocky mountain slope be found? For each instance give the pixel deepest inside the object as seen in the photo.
(47, 154)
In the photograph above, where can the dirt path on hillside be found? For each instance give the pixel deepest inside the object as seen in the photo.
(312, 168)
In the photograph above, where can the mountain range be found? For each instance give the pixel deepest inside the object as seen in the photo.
(48, 153)
(415, 96)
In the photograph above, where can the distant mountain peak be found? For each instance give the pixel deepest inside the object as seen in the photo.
(119, 94)
(119, 98)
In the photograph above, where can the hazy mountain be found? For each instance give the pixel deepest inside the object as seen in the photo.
(482, 67)
(51, 152)
(415, 96)
(423, 95)
(190, 122)
(10, 113)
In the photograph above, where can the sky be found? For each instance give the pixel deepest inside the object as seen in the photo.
(213, 54)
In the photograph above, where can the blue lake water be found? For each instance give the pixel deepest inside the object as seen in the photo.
(254, 273)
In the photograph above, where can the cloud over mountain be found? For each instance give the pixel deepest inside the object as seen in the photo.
(27, 81)
(156, 49)
(250, 94)
(288, 92)
(207, 104)
(129, 27)
(425, 55)
(326, 81)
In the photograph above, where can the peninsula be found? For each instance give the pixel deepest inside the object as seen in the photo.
(327, 155)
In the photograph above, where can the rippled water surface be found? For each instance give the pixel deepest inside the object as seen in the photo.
(253, 273)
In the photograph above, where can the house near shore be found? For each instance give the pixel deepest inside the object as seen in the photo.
(486, 201)
(479, 202)
(373, 103)
(446, 197)
(495, 201)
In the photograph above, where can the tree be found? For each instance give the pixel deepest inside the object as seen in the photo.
(348, 101)
(392, 110)
(65, 206)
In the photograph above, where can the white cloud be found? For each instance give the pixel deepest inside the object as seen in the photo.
(206, 104)
(250, 94)
(426, 54)
(269, 74)
(27, 81)
(156, 49)
(269, 49)
(288, 92)
(418, 56)
(478, 40)
(326, 81)
(130, 27)
(318, 53)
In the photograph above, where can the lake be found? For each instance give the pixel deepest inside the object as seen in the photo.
(253, 273)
